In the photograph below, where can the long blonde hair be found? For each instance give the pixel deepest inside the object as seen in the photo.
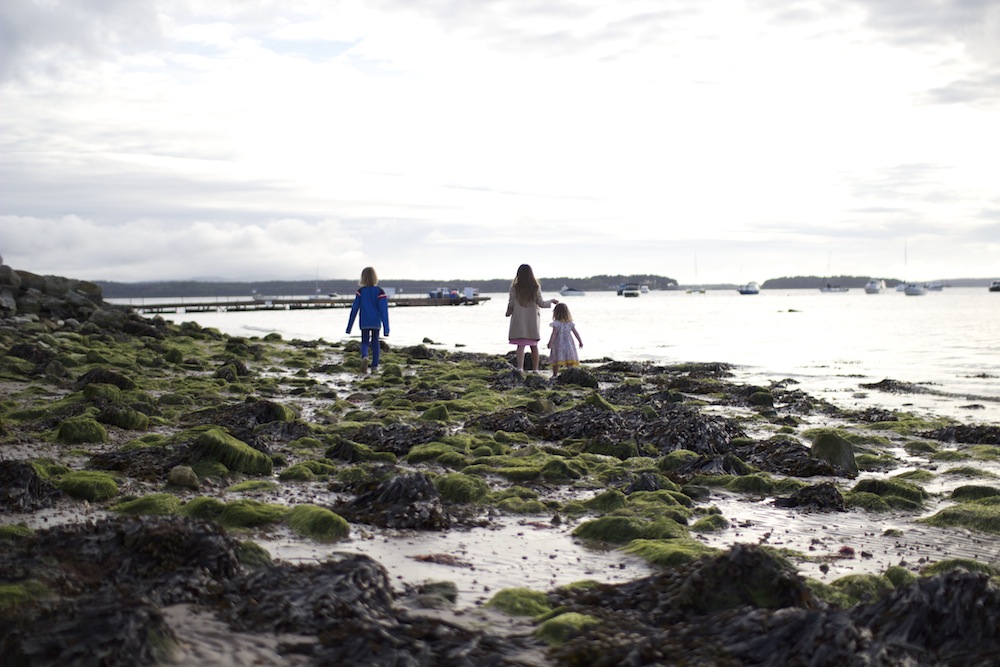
(561, 313)
(368, 277)
(526, 286)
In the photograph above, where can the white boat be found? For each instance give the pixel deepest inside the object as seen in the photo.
(875, 286)
(749, 288)
(995, 286)
(935, 286)
(644, 289)
(571, 291)
(915, 289)
(833, 288)
(630, 289)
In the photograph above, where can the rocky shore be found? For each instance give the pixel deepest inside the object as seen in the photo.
(143, 463)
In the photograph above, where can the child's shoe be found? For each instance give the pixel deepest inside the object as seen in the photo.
(364, 365)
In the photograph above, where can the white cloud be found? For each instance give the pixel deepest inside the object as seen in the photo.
(611, 136)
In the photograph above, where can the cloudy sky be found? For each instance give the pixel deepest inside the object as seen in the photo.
(705, 140)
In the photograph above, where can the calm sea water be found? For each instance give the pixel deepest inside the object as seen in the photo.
(948, 342)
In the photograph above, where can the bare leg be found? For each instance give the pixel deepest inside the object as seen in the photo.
(534, 358)
(520, 357)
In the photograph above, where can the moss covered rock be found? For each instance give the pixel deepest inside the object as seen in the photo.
(460, 488)
(318, 523)
(520, 602)
(79, 430)
(159, 504)
(88, 485)
(215, 444)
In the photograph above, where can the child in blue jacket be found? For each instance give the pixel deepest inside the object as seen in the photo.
(373, 304)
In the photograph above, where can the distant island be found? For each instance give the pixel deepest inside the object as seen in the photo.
(194, 288)
(209, 288)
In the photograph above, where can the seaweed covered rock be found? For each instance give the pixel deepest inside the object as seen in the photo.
(825, 497)
(165, 559)
(586, 421)
(979, 434)
(403, 501)
(309, 599)
(399, 439)
(511, 420)
(686, 428)
(105, 630)
(22, 489)
(259, 423)
(787, 457)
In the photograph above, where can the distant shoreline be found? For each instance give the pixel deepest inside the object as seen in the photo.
(195, 288)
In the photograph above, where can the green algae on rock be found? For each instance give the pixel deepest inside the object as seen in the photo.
(318, 523)
(215, 444)
(556, 630)
(88, 485)
(972, 516)
(155, 504)
(520, 602)
(81, 430)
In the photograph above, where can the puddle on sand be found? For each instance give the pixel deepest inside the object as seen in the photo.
(514, 553)
(843, 543)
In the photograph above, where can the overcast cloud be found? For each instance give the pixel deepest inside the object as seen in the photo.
(706, 140)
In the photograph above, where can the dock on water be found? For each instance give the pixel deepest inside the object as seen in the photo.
(293, 303)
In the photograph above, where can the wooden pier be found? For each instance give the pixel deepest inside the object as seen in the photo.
(292, 303)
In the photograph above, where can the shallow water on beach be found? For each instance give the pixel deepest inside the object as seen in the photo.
(948, 341)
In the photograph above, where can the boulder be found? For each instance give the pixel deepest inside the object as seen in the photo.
(837, 451)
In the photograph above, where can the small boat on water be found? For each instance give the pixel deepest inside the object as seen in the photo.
(571, 291)
(833, 288)
(995, 286)
(629, 289)
(644, 289)
(935, 286)
(749, 288)
(875, 286)
(915, 289)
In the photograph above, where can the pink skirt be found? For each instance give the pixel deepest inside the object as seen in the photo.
(524, 341)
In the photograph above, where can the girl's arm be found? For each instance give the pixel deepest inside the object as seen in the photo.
(552, 338)
(577, 334)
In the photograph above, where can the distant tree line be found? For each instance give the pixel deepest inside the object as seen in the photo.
(196, 288)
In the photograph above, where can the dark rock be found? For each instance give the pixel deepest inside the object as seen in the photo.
(404, 501)
(980, 434)
(578, 376)
(398, 439)
(686, 428)
(310, 599)
(107, 630)
(895, 387)
(837, 451)
(511, 420)
(824, 497)
(23, 490)
(787, 457)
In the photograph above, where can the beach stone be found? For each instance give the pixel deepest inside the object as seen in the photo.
(787, 457)
(183, 476)
(311, 598)
(23, 490)
(823, 496)
(8, 304)
(399, 439)
(105, 630)
(686, 428)
(578, 376)
(979, 434)
(403, 501)
(837, 451)
(511, 420)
